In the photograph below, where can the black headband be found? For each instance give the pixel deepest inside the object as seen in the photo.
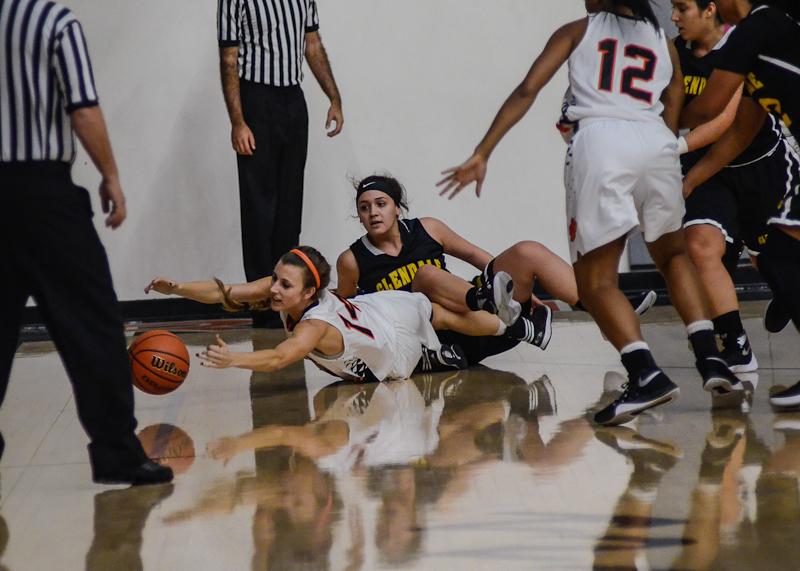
(373, 183)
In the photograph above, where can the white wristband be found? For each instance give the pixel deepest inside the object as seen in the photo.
(683, 146)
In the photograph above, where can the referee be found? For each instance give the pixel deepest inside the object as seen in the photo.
(51, 249)
(262, 47)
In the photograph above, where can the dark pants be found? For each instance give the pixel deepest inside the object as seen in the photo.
(271, 180)
(779, 263)
(52, 252)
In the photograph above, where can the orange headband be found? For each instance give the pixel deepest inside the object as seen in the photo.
(309, 263)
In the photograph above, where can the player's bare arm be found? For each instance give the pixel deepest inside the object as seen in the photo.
(306, 337)
(673, 96)
(749, 118)
(347, 274)
(710, 132)
(317, 59)
(456, 245)
(722, 86)
(555, 53)
(210, 291)
(242, 139)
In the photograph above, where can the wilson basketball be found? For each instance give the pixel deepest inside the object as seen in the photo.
(159, 362)
(168, 444)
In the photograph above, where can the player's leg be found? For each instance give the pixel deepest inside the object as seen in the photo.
(648, 386)
(473, 323)
(13, 295)
(779, 263)
(528, 262)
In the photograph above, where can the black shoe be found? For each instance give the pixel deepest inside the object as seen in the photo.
(651, 389)
(644, 301)
(739, 355)
(717, 377)
(787, 398)
(148, 472)
(447, 358)
(776, 316)
(536, 329)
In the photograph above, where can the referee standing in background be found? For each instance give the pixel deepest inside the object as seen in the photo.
(262, 46)
(51, 249)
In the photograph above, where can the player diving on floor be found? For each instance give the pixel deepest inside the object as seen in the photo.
(371, 337)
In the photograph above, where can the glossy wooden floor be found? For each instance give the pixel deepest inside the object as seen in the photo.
(493, 468)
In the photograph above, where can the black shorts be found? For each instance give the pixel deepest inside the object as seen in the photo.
(741, 200)
(476, 349)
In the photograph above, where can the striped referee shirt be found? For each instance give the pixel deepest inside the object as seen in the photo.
(270, 35)
(45, 74)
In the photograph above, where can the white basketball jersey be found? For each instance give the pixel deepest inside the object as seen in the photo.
(619, 70)
(367, 331)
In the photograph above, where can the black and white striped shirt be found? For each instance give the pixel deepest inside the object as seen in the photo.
(270, 35)
(45, 74)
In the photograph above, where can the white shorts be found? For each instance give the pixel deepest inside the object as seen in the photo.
(621, 175)
(411, 315)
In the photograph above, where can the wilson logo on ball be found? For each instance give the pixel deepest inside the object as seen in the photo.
(167, 366)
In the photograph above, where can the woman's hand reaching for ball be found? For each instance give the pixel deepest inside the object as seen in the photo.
(217, 356)
(162, 285)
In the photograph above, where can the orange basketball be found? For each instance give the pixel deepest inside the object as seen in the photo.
(159, 362)
(169, 445)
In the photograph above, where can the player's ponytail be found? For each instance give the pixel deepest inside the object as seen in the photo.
(642, 9)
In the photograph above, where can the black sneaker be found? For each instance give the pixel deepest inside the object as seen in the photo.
(447, 357)
(497, 297)
(717, 377)
(644, 301)
(148, 472)
(776, 316)
(651, 458)
(651, 389)
(787, 398)
(739, 355)
(536, 329)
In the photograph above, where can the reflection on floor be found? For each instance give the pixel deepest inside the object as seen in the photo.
(495, 467)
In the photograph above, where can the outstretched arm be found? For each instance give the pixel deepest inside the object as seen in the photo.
(555, 53)
(305, 338)
(673, 95)
(710, 132)
(721, 87)
(211, 291)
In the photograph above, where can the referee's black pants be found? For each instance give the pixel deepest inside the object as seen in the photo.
(271, 180)
(53, 253)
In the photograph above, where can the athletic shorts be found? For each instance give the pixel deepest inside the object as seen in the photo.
(622, 175)
(410, 313)
(740, 200)
(788, 211)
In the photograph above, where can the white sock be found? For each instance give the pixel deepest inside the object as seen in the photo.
(635, 346)
(701, 325)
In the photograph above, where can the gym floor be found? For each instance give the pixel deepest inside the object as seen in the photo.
(495, 467)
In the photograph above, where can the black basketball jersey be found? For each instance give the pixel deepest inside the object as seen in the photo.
(696, 71)
(379, 271)
(765, 48)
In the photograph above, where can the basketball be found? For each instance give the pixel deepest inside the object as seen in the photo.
(159, 362)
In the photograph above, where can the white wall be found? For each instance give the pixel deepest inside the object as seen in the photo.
(421, 80)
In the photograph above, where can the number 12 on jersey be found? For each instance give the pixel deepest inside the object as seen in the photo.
(644, 71)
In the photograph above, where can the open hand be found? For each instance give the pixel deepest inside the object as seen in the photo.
(217, 356)
(162, 285)
(473, 170)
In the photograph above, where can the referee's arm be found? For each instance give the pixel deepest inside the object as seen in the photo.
(73, 70)
(317, 59)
